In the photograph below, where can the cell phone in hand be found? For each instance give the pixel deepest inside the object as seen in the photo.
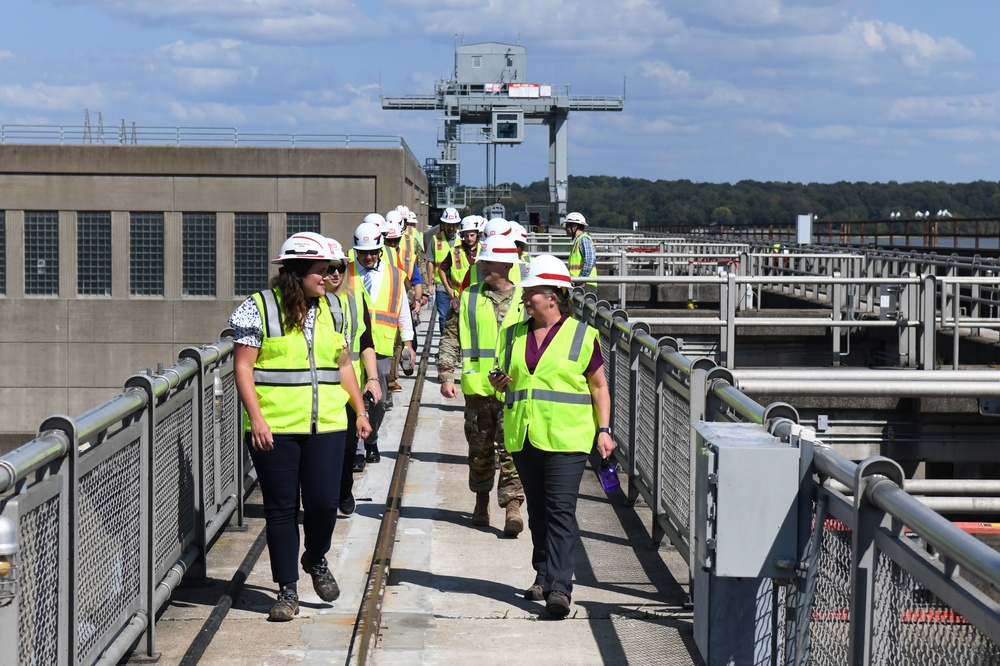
(497, 373)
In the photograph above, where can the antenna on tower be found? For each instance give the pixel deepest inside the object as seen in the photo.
(100, 128)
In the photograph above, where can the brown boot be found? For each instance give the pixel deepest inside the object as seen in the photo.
(481, 514)
(513, 524)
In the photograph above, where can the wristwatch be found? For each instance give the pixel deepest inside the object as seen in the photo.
(607, 430)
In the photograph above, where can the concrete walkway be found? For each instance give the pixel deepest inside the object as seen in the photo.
(454, 590)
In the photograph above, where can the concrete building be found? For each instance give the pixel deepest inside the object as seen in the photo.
(113, 257)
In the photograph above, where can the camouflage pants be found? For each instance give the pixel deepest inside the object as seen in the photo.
(484, 433)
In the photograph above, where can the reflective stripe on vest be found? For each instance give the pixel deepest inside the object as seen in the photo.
(553, 406)
(460, 264)
(384, 313)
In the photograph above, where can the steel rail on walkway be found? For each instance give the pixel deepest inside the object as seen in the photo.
(367, 629)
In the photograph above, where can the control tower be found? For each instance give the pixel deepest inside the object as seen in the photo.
(490, 89)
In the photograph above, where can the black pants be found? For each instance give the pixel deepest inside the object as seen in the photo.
(551, 484)
(377, 413)
(350, 451)
(310, 463)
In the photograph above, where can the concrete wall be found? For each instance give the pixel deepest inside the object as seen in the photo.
(64, 353)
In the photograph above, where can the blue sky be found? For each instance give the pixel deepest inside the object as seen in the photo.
(717, 90)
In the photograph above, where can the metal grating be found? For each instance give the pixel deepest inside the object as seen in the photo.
(93, 254)
(146, 254)
(623, 416)
(912, 626)
(675, 440)
(828, 628)
(208, 444)
(606, 356)
(229, 445)
(645, 425)
(41, 253)
(38, 601)
(108, 562)
(173, 485)
(250, 253)
(198, 254)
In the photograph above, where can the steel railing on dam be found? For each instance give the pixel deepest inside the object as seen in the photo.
(113, 507)
(873, 576)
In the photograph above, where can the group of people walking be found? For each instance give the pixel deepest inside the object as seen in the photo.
(315, 363)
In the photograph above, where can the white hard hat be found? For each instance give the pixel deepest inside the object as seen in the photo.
(395, 217)
(393, 227)
(450, 216)
(367, 237)
(336, 249)
(546, 269)
(411, 218)
(482, 222)
(376, 219)
(575, 218)
(404, 211)
(518, 233)
(470, 223)
(497, 227)
(498, 248)
(304, 245)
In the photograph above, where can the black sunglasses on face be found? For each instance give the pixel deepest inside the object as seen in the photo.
(360, 252)
(335, 268)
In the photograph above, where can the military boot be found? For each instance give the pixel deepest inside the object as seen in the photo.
(513, 524)
(481, 514)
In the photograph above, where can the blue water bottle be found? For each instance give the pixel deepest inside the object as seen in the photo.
(609, 477)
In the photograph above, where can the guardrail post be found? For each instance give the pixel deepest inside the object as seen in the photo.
(928, 288)
(634, 351)
(622, 271)
(837, 303)
(200, 451)
(867, 519)
(147, 523)
(69, 546)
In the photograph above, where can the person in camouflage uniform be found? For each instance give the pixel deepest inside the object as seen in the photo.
(483, 409)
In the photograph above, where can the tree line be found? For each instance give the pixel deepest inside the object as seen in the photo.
(609, 201)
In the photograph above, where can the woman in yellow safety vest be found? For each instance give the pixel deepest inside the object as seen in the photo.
(351, 310)
(556, 402)
(294, 375)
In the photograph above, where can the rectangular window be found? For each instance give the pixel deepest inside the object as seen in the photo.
(146, 254)
(250, 256)
(299, 222)
(199, 254)
(93, 254)
(477, 61)
(41, 253)
(3, 254)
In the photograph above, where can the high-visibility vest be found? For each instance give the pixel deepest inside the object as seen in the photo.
(348, 309)
(297, 383)
(390, 255)
(524, 267)
(442, 246)
(576, 259)
(418, 238)
(407, 255)
(460, 264)
(384, 309)
(477, 335)
(552, 406)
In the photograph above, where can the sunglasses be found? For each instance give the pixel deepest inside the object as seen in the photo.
(336, 268)
(368, 252)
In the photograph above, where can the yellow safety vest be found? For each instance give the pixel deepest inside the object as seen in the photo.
(297, 383)
(460, 265)
(442, 246)
(407, 255)
(418, 238)
(384, 312)
(478, 333)
(576, 259)
(552, 406)
(349, 313)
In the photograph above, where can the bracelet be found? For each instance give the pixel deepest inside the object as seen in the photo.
(607, 430)
(364, 414)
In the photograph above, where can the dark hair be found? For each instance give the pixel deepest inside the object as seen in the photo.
(563, 299)
(293, 300)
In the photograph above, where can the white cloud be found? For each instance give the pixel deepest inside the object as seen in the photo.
(44, 97)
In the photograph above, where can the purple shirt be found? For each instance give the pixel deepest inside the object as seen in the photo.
(533, 353)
